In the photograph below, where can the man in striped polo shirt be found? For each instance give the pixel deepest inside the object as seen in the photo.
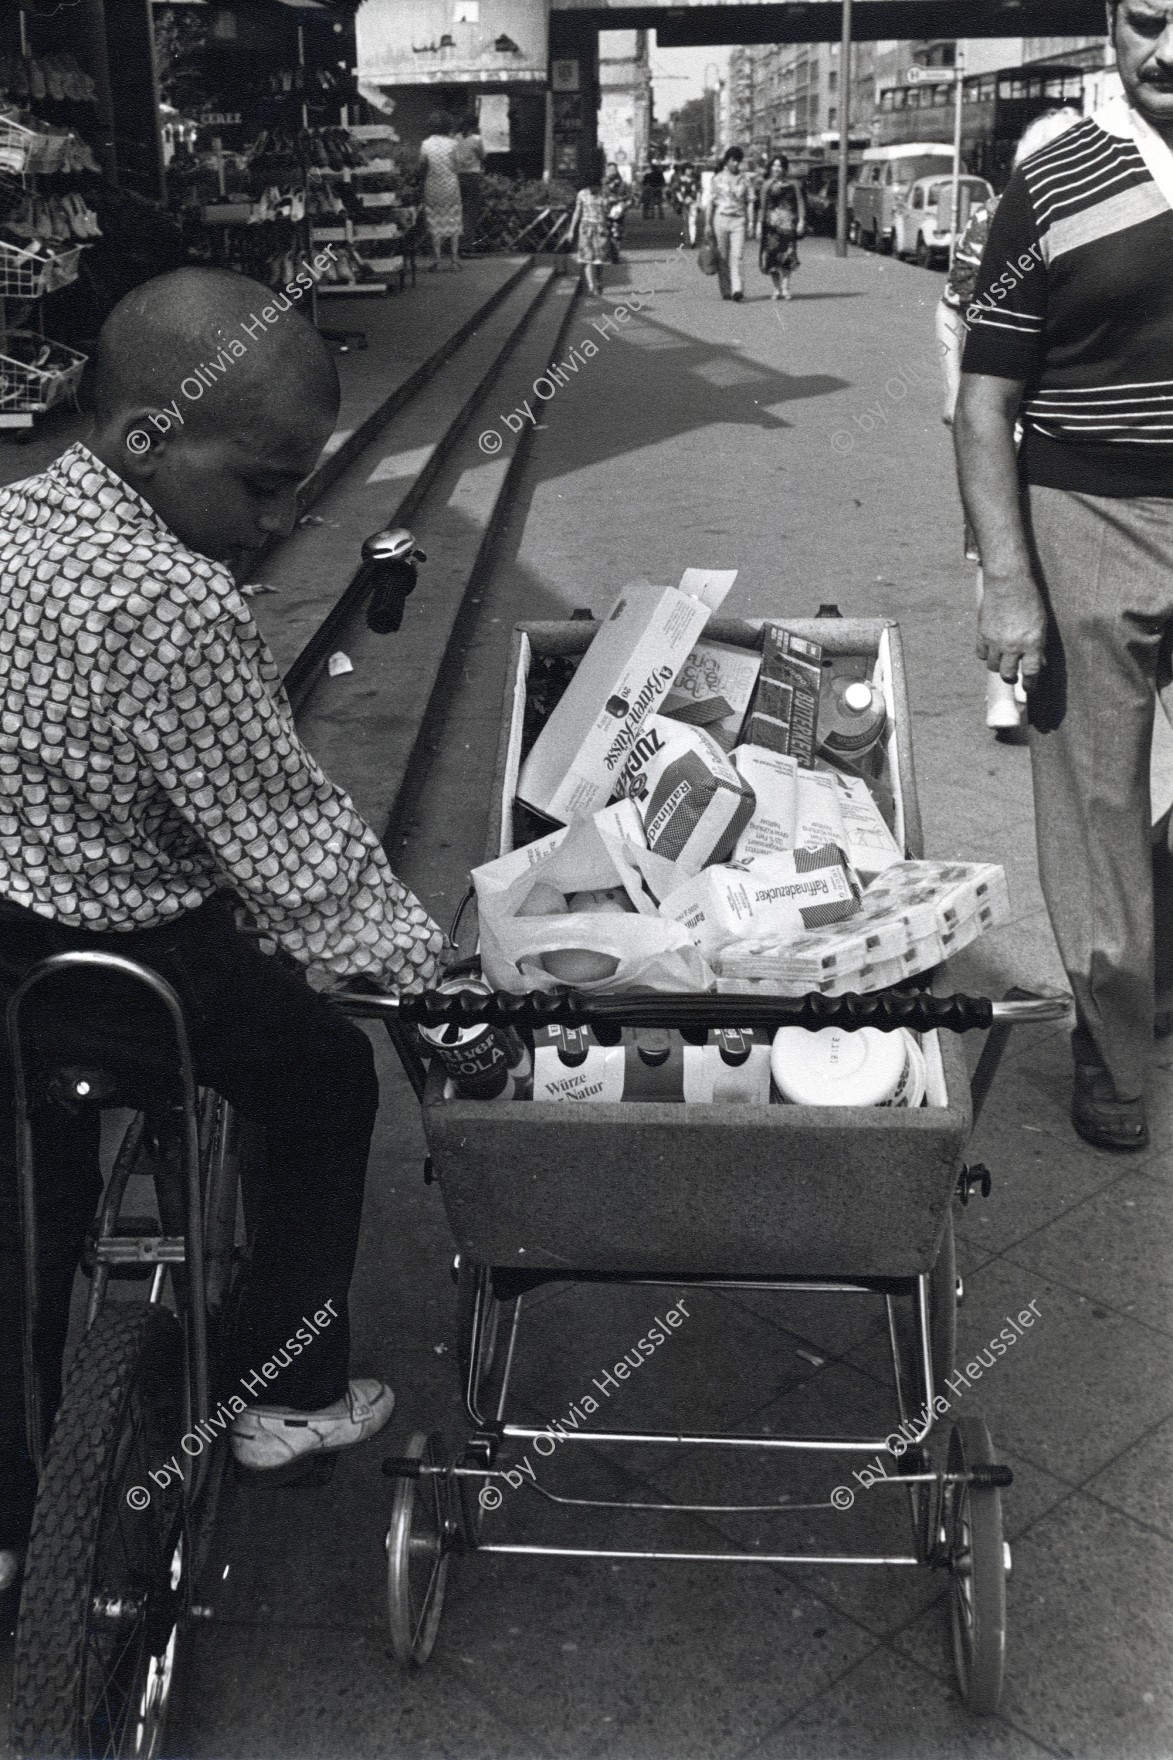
(1071, 333)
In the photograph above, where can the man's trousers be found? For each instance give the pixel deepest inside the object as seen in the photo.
(1106, 569)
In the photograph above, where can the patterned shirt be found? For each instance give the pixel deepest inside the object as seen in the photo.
(1075, 298)
(148, 757)
(732, 195)
(961, 283)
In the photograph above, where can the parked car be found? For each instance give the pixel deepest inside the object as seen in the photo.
(885, 177)
(821, 191)
(923, 224)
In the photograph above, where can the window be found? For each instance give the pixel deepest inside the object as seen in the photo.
(918, 197)
(832, 80)
(832, 116)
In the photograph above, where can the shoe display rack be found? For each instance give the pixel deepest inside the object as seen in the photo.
(356, 200)
(46, 169)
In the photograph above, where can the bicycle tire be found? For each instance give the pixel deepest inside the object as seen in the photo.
(95, 1566)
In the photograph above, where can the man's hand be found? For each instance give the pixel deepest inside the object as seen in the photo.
(1012, 628)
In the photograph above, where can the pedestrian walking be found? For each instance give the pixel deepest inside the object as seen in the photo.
(783, 212)
(1071, 333)
(688, 191)
(589, 225)
(469, 159)
(615, 197)
(728, 216)
(652, 189)
(1005, 702)
(442, 205)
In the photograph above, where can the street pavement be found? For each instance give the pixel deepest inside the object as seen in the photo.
(801, 444)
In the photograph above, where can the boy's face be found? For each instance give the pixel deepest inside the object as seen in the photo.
(226, 494)
(1143, 37)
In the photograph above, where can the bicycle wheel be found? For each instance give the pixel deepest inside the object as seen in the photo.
(105, 1587)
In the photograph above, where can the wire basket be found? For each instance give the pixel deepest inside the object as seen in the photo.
(27, 274)
(50, 373)
(17, 144)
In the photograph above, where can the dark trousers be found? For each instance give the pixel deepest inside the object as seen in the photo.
(279, 1053)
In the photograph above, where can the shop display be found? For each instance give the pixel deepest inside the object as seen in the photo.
(49, 175)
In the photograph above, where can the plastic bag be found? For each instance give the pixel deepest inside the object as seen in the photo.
(706, 259)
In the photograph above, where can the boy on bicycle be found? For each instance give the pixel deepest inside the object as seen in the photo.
(152, 784)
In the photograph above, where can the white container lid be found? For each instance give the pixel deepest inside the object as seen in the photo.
(836, 1068)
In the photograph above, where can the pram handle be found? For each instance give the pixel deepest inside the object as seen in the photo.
(887, 1010)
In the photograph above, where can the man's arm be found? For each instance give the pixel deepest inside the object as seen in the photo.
(213, 727)
(1012, 625)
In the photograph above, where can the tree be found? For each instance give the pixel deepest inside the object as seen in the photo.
(692, 127)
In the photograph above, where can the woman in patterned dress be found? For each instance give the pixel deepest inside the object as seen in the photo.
(783, 213)
(590, 224)
(442, 204)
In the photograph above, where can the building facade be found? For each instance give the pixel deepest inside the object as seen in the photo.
(625, 99)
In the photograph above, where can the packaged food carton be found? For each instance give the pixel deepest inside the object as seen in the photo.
(622, 678)
(773, 778)
(570, 1064)
(692, 801)
(785, 712)
(732, 1066)
(786, 896)
(713, 690)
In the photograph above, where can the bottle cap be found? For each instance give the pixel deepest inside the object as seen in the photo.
(837, 1068)
(858, 698)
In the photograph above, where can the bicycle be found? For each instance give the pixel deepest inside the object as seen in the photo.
(131, 1467)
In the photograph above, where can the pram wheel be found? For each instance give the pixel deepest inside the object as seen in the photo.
(977, 1564)
(419, 1546)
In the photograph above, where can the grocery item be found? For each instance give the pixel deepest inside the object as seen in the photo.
(713, 690)
(833, 1067)
(571, 1064)
(852, 717)
(871, 847)
(818, 819)
(653, 1067)
(622, 678)
(692, 800)
(913, 916)
(785, 710)
(632, 949)
(572, 965)
(481, 1062)
(773, 778)
(780, 896)
(731, 1066)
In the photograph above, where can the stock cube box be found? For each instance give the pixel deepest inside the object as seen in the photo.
(722, 1189)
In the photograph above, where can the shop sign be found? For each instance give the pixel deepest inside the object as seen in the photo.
(433, 42)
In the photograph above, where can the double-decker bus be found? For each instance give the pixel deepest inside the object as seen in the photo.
(995, 108)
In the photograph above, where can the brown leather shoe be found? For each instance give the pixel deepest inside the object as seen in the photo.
(1101, 1118)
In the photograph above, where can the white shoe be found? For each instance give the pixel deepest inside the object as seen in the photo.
(9, 1568)
(1003, 708)
(274, 1436)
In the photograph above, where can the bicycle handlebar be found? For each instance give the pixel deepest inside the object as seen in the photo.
(886, 1010)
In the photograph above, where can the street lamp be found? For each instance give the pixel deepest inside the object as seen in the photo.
(844, 131)
(710, 109)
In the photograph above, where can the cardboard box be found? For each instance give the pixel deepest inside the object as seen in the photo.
(692, 801)
(623, 678)
(782, 898)
(714, 689)
(785, 713)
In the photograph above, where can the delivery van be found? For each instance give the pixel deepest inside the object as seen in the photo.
(885, 176)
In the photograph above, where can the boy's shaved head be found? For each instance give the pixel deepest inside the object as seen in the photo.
(157, 336)
(213, 412)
